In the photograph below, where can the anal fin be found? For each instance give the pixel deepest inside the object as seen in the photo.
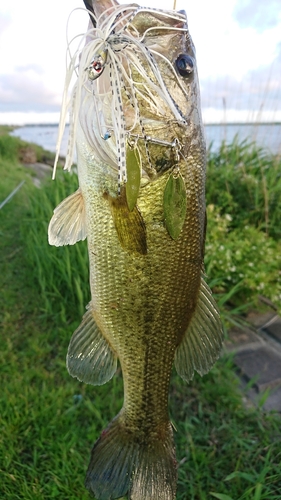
(68, 224)
(90, 357)
(202, 342)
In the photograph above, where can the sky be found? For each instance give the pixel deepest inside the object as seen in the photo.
(238, 45)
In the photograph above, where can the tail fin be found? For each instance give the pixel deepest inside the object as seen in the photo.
(123, 464)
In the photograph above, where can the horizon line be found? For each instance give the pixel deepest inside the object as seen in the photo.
(221, 123)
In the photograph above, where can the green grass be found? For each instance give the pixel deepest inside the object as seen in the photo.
(243, 245)
(61, 273)
(49, 421)
(245, 181)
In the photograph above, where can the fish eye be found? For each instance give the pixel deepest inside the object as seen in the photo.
(184, 64)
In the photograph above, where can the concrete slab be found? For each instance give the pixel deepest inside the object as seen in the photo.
(273, 401)
(240, 339)
(253, 397)
(273, 327)
(263, 364)
(259, 319)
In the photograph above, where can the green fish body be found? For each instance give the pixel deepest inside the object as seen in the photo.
(150, 306)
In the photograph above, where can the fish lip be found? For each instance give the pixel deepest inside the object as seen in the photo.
(97, 7)
(183, 12)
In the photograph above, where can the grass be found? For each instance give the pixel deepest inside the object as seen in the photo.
(49, 421)
(245, 181)
(243, 246)
(65, 271)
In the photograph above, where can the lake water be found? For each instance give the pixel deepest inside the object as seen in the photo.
(267, 136)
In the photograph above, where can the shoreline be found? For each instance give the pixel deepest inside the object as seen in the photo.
(211, 124)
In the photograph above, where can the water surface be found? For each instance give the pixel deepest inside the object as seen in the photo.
(267, 136)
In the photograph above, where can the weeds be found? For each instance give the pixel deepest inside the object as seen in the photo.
(62, 274)
(13, 149)
(9, 148)
(244, 181)
(243, 260)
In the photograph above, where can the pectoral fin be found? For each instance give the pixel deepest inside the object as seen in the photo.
(68, 224)
(89, 357)
(202, 342)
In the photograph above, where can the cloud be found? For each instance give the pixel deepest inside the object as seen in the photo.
(259, 14)
(278, 52)
(23, 118)
(36, 68)
(257, 94)
(24, 90)
(5, 21)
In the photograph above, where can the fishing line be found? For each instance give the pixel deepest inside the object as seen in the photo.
(173, 70)
(131, 96)
(151, 99)
(163, 92)
(108, 24)
(136, 62)
(158, 28)
(68, 103)
(139, 119)
(166, 13)
(119, 127)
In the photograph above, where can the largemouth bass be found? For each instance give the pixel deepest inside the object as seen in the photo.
(135, 116)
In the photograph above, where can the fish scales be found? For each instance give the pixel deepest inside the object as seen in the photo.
(150, 306)
(120, 284)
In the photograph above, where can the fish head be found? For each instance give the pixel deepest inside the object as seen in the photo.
(140, 85)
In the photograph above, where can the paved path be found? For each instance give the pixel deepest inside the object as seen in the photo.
(257, 355)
